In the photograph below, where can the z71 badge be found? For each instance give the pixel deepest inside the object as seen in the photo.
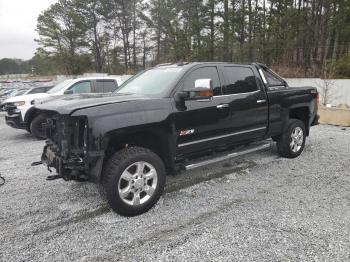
(187, 132)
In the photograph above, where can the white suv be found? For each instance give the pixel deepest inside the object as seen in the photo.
(18, 108)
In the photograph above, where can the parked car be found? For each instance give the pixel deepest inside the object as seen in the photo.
(22, 92)
(172, 117)
(6, 93)
(20, 113)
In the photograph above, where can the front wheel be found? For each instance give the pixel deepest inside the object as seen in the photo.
(133, 180)
(36, 126)
(292, 142)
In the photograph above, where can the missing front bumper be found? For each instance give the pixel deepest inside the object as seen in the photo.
(72, 168)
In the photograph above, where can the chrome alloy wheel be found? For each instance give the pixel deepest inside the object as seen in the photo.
(137, 183)
(296, 139)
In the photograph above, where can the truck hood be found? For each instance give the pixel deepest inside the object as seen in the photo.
(26, 97)
(68, 104)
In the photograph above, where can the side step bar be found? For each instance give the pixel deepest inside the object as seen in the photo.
(247, 150)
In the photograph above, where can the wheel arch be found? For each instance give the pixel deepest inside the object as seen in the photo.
(303, 114)
(157, 139)
(30, 115)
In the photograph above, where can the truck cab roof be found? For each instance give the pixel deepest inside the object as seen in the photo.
(193, 64)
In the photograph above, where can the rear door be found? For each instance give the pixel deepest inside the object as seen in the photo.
(248, 102)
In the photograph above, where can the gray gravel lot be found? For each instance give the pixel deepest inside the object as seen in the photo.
(257, 208)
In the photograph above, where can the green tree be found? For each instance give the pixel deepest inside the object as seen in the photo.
(62, 34)
(296, 37)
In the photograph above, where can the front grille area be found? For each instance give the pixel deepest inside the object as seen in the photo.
(10, 108)
(67, 135)
(66, 146)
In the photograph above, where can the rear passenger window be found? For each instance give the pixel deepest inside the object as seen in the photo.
(240, 80)
(204, 73)
(105, 86)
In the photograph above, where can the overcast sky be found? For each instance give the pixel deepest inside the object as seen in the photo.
(17, 25)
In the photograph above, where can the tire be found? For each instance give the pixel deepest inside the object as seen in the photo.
(36, 127)
(292, 142)
(28, 129)
(128, 174)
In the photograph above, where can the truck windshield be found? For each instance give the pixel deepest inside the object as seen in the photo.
(154, 82)
(59, 86)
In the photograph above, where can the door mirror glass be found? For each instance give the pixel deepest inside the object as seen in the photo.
(203, 89)
(203, 84)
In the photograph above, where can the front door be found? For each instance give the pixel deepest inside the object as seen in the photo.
(199, 121)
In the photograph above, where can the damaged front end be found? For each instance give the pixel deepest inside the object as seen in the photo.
(66, 148)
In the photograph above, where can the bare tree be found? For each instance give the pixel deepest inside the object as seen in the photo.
(327, 84)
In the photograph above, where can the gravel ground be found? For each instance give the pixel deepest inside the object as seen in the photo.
(257, 208)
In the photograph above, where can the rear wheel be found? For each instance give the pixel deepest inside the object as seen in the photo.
(292, 142)
(36, 127)
(133, 180)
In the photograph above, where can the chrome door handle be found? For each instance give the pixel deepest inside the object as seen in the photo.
(222, 106)
(261, 101)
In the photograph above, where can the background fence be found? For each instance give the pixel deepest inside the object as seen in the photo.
(333, 91)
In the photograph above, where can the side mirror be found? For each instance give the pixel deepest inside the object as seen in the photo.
(68, 92)
(203, 89)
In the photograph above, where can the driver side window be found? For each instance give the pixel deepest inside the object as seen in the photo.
(82, 87)
(204, 73)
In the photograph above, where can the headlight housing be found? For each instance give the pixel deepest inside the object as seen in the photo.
(19, 103)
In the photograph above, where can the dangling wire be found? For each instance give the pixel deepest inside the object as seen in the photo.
(2, 180)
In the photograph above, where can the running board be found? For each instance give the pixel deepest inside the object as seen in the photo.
(246, 150)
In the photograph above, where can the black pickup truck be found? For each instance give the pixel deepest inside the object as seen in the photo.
(168, 117)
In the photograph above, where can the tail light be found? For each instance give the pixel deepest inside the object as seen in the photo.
(317, 96)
